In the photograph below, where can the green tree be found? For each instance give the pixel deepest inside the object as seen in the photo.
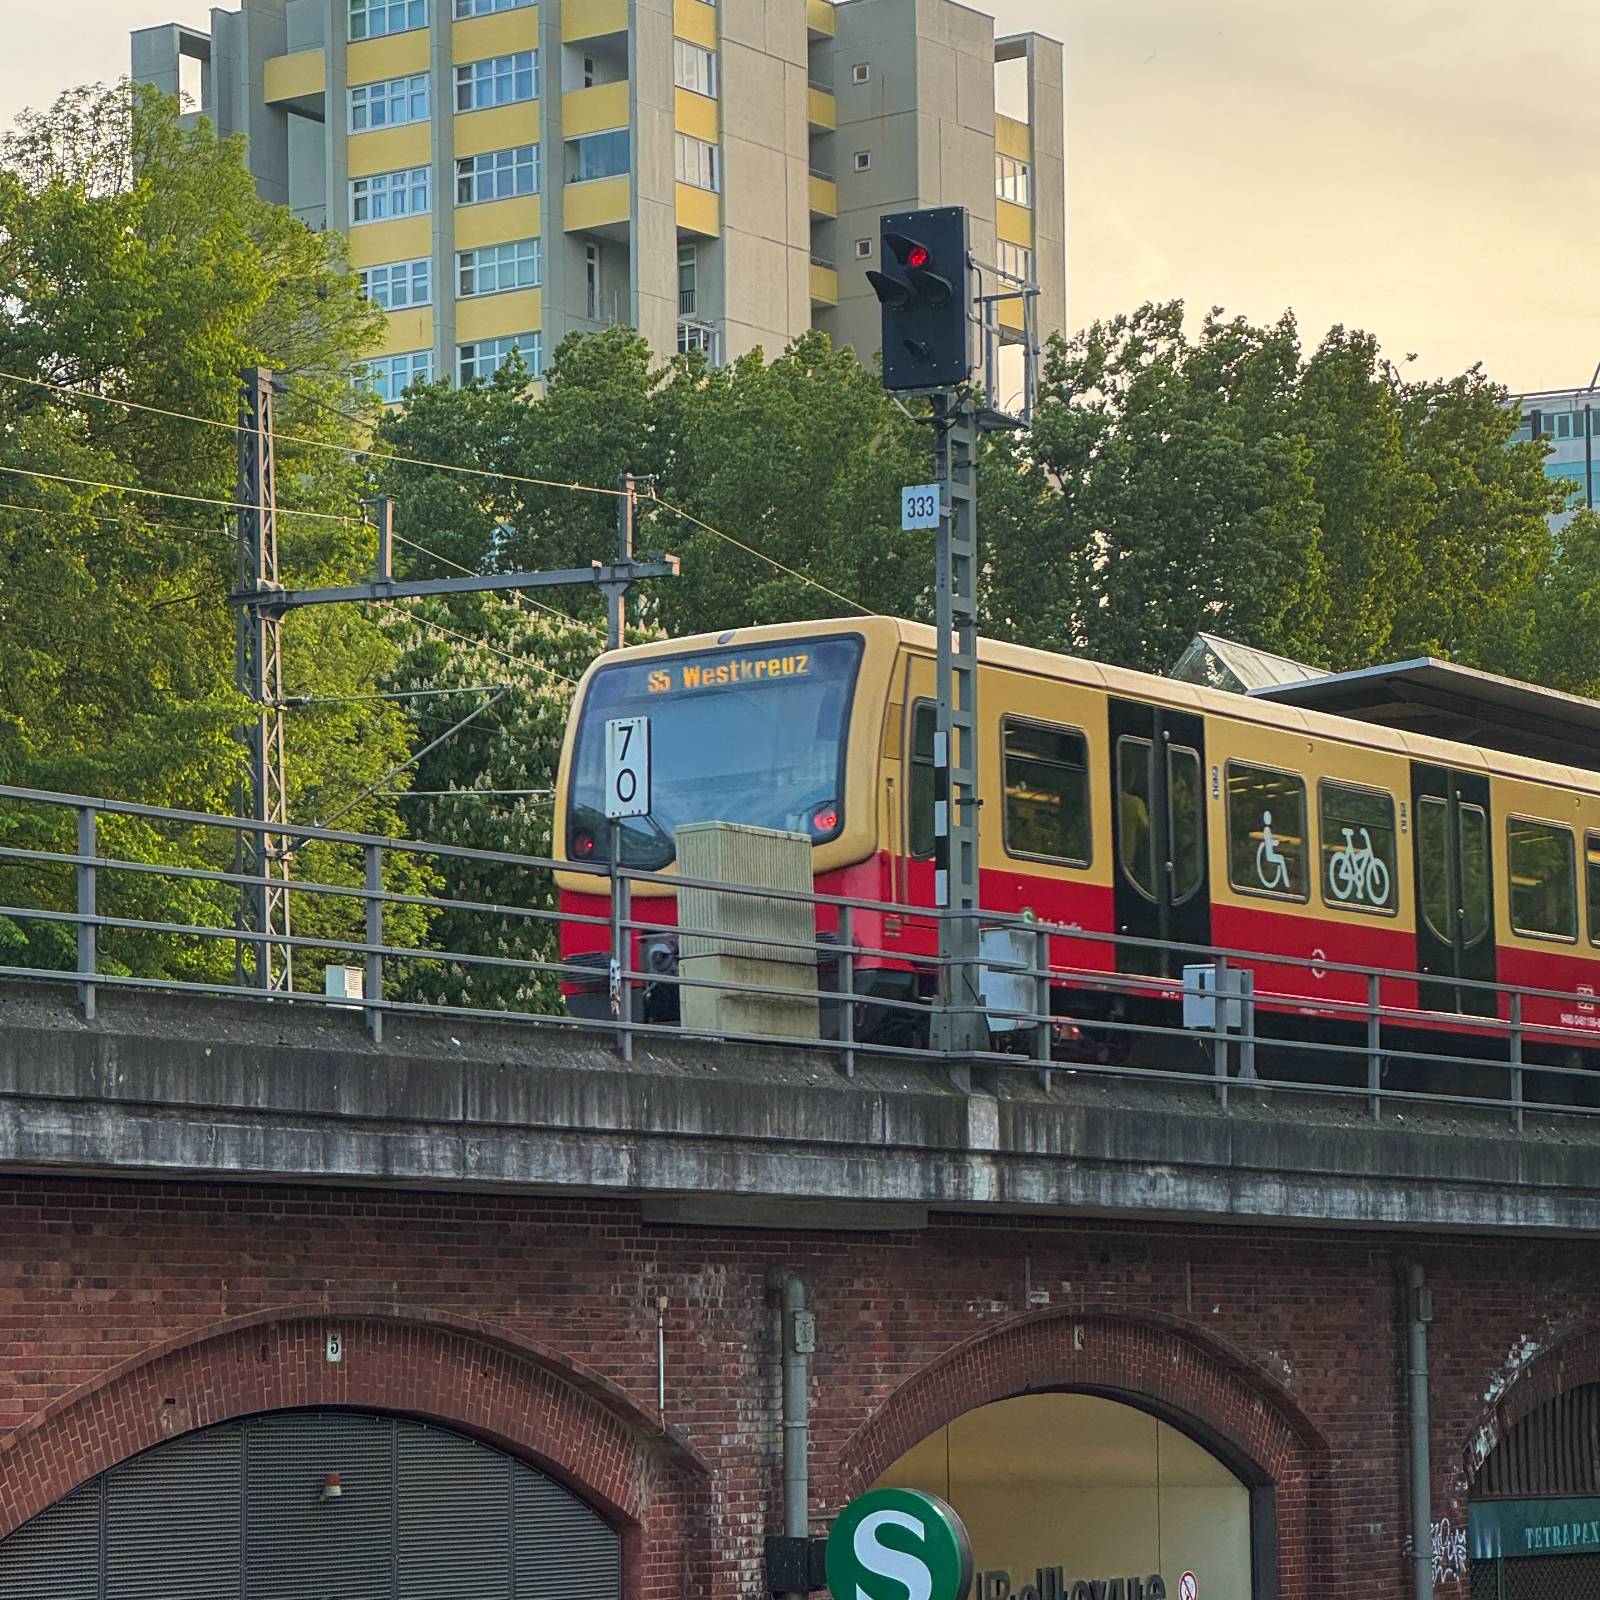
(139, 272)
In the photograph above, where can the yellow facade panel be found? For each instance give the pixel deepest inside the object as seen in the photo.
(1013, 138)
(592, 19)
(824, 196)
(390, 149)
(824, 285)
(1009, 314)
(494, 316)
(406, 331)
(594, 110)
(479, 38)
(822, 110)
(820, 18)
(699, 211)
(500, 128)
(695, 21)
(295, 77)
(373, 243)
(696, 114)
(373, 60)
(497, 222)
(604, 202)
(1013, 223)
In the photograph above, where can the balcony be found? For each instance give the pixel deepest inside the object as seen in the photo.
(297, 82)
(819, 18)
(824, 196)
(695, 21)
(699, 211)
(822, 110)
(824, 282)
(594, 110)
(592, 19)
(600, 203)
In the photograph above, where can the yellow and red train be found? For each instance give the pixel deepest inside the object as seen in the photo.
(1117, 803)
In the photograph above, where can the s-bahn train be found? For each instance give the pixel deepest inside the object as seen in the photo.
(1117, 803)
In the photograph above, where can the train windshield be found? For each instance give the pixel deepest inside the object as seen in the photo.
(754, 735)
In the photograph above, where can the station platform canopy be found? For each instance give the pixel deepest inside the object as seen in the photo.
(1447, 701)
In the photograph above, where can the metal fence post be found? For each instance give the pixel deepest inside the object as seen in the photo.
(1041, 1004)
(1374, 1051)
(1516, 1060)
(621, 949)
(373, 986)
(88, 849)
(1219, 1023)
(846, 985)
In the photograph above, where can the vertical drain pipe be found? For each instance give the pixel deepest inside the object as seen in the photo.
(799, 1340)
(1419, 1313)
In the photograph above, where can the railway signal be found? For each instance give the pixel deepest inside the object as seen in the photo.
(925, 289)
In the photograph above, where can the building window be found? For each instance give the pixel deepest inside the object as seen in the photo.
(688, 283)
(589, 72)
(698, 163)
(863, 249)
(1046, 784)
(591, 281)
(390, 194)
(484, 357)
(1013, 180)
(861, 72)
(399, 284)
(1541, 861)
(1016, 262)
(1266, 831)
(1358, 848)
(498, 267)
(694, 68)
(371, 19)
(497, 175)
(500, 81)
(598, 155)
(700, 336)
(390, 376)
(863, 161)
(390, 104)
(482, 8)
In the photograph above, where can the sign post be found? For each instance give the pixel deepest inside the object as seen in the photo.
(627, 795)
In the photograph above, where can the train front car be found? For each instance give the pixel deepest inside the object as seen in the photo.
(775, 727)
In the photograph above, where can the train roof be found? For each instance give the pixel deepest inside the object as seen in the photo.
(1454, 730)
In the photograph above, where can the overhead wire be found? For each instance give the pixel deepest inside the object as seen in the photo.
(172, 494)
(437, 466)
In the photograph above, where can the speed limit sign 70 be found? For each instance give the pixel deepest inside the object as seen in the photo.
(628, 767)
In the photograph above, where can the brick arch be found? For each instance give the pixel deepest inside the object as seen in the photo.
(1569, 1363)
(467, 1375)
(1156, 1364)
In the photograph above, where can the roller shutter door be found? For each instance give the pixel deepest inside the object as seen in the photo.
(239, 1512)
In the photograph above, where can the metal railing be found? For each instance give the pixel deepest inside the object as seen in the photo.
(111, 895)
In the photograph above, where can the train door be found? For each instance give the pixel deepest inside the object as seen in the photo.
(1455, 888)
(1162, 886)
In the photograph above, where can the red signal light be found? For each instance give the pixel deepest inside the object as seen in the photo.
(582, 846)
(825, 819)
(917, 256)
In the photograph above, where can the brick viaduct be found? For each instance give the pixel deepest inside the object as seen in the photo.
(192, 1197)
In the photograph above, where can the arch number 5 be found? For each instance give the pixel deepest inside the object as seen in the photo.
(628, 767)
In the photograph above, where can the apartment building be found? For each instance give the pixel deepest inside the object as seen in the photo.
(712, 174)
(1567, 422)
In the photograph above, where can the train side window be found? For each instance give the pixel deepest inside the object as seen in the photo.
(1544, 879)
(1267, 832)
(1136, 841)
(1046, 784)
(1592, 873)
(919, 791)
(1358, 847)
(1433, 866)
(1186, 821)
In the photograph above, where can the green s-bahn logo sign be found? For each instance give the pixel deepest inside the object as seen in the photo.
(899, 1544)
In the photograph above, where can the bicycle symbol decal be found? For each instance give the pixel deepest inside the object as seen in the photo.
(1272, 866)
(1358, 874)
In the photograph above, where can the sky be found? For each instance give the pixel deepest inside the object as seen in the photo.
(1428, 170)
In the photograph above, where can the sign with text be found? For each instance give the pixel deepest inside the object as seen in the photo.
(628, 767)
(1514, 1529)
(919, 507)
